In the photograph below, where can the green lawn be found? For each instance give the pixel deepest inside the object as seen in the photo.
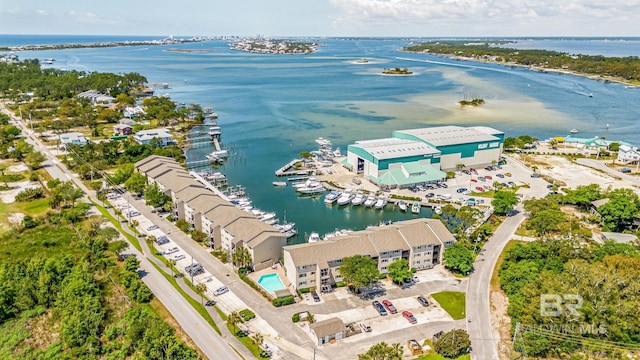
(453, 302)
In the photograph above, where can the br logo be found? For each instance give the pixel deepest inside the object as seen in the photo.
(552, 304)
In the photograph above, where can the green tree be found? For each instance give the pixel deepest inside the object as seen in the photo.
(34, 160)
(171, 263)
(136, 183)
(504, 201)
(131, 264)
(199, 236)
(399, 270)
(359, 270)
(583, 195)
(183, 225)
(458, 258)
(154, 197)
(453, 344)
(241, 256)
(117, 247)
(382, 351)
(234, 319)
(201, 289)
(257, 338)
(621, 209)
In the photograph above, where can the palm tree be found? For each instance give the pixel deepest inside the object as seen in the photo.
(311, 318)
(241, 257)
(257, 339)
(171, 263)
(397, 351)
(201, 289)
(459, 166)
(234, 319)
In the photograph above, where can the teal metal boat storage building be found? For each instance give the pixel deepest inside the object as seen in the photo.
(420, 156)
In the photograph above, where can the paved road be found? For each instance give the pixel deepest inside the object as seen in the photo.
(601, 165)
(484, 342)
(209, 342)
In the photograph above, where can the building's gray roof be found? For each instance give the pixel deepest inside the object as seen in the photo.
(387, 239)
(619, 237)
(193, 192)
(327, 327)
(224, 216)
(335, 248)
(252, 231)
(597, 203)
(451, 135)
(207, 202)
(391, 148)
(145, 164)
(424, 232)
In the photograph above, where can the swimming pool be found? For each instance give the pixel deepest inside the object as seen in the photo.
(271, 283)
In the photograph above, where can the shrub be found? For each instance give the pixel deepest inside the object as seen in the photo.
(34, 176)
(53, 183)
(30, 194)
(221, 255)
(382, 276)
(11, 177)
(247, 314)
(283, 301)
(341, 284)
(295, 318)
(304, 290)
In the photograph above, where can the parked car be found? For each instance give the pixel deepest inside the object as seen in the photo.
(409, 316)
(423, 301)
(443, 185)
(461, 190)
(479, 189)
(381, 310)
(315, 296)
(488, 177)
(507, 174)
(625, 170)
(535, 175)
(210, 303)
(221, 290)
(163, 239)
(482, 178)
(474, 180)
(389, 306)
(178, 257)
(430, 195)
(500, 176)
(511, 184)
(171, 250)
(467, 172)
(152, 227)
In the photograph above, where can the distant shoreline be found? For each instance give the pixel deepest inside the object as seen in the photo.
(167, 41)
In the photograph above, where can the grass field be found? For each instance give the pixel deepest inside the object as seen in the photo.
(40, 242)
(453, 302)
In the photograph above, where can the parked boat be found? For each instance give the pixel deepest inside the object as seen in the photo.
(402, 205)
(267, 216)
(313, 189)
(380, 203)
(286, 227)
(291, 233)
(573, 131)
(415, 208)
(345, 198)
(437, 209)
(358, 199)
(279, 183)
(332, 197)
(371, 200)
(314, 237)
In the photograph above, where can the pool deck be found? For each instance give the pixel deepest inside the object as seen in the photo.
(255, 276)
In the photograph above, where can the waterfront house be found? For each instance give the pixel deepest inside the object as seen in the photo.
(73, 138)
(419, 241)
(133, 111)
(127, 121)
(328, 331)
(162, 134)
(96, 98)
(122, 129)
(628, 155)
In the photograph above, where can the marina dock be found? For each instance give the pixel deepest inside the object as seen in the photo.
(284, 171)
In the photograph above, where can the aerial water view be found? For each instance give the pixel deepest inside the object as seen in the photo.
(338, 180)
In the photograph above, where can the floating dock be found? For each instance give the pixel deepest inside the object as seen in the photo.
(284, 171)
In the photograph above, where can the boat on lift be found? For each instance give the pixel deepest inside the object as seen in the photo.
(402, 205)
(415, 208)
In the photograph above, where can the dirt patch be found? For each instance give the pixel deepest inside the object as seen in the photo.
(15, 218)
(500, 321)
(43, 330)
(9, 196)
(17, 168)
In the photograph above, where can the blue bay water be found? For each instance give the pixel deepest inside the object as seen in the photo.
(272, 107)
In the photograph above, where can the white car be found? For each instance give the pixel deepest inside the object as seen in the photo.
(220, 291)
(179, 257)
(152, 227)
(171, 250)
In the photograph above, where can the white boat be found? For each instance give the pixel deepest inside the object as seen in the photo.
(279, 183)
(307, 183)
(573, 131)
(380, 203)
(415, 208)
(215, 131)
(315, 189)
(271, 222)
(286, 227)
(218, 155)
(257, 212)
(314, 237)
(437, 209)
(323, 142)
(332, 197)
(345, 198)
(267, 216)
(371, 200)
(358, 199)
(291, 233)
(402, 205)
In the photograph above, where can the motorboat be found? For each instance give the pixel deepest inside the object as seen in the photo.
(437, 209)
(313, 189)
(314, 237)
(291, 233)
(402, 205)
(286, 227)
(279, 183)
(267, 216)
(380, 203)
(257, 212)
(573, 131)
(415, 208)
(358, 199)
(332, 197)
(271, 222)
(218, 155)
(345, 198)
(308, 183)
(371, 200)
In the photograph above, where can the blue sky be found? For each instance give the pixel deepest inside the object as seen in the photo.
(324, 17)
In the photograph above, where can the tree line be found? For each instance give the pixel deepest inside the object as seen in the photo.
(626, 68)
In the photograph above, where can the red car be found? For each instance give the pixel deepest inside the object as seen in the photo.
(390, 308)
(479, 189)
(474, 180)
(488, 177)
(409, 316)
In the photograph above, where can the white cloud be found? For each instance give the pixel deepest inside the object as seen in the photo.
(427, 11)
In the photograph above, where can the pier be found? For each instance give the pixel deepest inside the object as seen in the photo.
(284, 171)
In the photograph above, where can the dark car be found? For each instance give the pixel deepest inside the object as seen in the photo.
(461, 190)
(315, 296)
(210, 303)
(423, 301)
(535, 175)
(381, 310)
(430, 195)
